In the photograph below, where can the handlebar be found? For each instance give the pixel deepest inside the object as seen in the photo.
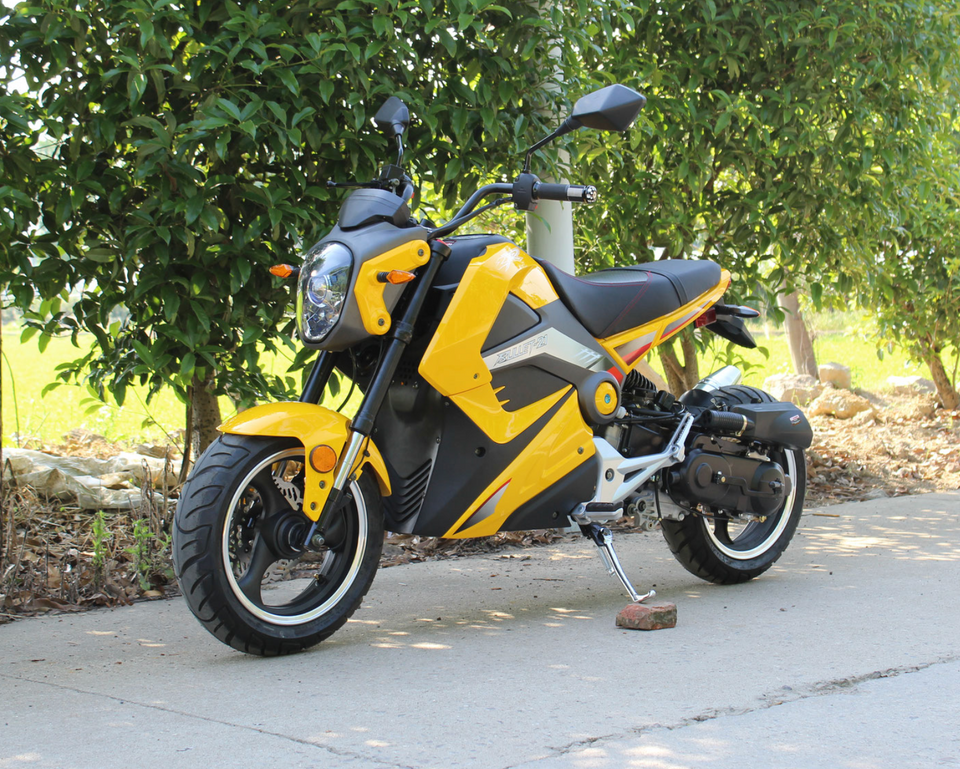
(523, 193)
(571, 192)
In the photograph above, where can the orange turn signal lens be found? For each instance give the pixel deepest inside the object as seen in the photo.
(395, 277)
(323, 459)
(284, 270)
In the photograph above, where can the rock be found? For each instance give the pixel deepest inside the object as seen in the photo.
(910, 385)
(836, 374)
(842, 404)
(154, 450)
(865, 417)
(925, 407)
(875, 494)
(797, 388)
(116, 481)
(83, 437)
(648, 616)
(95, 484)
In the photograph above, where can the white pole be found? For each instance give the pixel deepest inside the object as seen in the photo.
(550, 233)
(550, 227)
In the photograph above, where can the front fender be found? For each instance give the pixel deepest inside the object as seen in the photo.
(313, 426)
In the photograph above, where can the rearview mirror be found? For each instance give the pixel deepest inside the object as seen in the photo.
(393, 117)
(613, 108)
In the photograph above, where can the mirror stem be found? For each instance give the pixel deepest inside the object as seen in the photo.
(400, 150)
(568, 125)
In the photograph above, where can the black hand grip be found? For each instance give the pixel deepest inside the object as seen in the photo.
(571, 192)
(727, 423)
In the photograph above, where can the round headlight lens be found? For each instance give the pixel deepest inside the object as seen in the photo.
(323, 286)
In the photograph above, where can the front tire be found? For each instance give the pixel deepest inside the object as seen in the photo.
(724, 552)
(238, 516)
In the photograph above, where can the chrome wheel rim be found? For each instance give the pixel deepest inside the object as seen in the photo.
(349, 565)
(768, 532)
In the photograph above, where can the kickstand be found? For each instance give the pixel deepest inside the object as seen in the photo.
(603, 538)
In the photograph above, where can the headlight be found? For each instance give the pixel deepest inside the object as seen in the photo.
(322, 289)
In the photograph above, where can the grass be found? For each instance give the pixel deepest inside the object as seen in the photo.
(68, 407)
(850, 347)
(843, 338)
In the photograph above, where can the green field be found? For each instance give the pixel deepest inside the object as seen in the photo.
(839, 338)
(849, 346)
(26, 371)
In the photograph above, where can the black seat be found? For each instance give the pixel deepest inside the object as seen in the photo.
(621, 298)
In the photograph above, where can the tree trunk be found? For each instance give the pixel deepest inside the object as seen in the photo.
(187, 438)
(798, 337)
(1, 416)
(681, 377)
(946, 392)
(206, 412)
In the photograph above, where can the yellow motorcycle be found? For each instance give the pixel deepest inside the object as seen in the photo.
(499, 394)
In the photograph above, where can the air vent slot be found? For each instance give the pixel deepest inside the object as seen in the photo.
(407, 496)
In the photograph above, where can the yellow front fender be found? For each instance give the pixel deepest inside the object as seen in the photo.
(313, 426)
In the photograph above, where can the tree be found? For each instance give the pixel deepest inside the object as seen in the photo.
(771, 139)
(189, 145)
(913, 283)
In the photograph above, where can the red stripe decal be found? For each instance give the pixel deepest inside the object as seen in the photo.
(637, 354)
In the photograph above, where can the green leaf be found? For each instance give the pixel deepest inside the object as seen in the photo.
(816, 295)
(230, 108)
(188, 364)
(146, 32)
(288, 79)
(102, 255)
(194, 208)
(136, 85)
(722, 122)
(209, 217)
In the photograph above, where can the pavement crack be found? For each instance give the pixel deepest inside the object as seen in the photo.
(766, 701)
(780, 697)
(339, 752)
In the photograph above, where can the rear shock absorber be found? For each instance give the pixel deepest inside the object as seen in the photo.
(637, 381)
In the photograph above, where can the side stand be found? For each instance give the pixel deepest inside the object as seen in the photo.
(603, 538)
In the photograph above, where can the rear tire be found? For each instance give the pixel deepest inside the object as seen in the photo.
(708, 549)
(234, 581)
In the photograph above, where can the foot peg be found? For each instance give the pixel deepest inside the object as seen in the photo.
(603, 538)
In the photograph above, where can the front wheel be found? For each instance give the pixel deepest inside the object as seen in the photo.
(236, 548)
(725, 551)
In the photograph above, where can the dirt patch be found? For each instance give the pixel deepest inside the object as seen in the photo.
(906, 446)
(54, 557)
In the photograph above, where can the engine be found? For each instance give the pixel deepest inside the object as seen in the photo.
(727, 481)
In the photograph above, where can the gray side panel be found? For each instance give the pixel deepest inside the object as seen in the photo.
(515, 317)
(558, 344)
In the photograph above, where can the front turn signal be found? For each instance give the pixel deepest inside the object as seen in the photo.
(395, 277)
(285, 271)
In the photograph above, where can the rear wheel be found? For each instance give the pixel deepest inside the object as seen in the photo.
(724, 549)
(237, 550)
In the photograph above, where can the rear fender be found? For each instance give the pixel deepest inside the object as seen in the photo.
(313, 426)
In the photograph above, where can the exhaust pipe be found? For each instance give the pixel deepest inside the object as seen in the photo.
(728, 375)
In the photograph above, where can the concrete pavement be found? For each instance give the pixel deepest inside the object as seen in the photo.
(846, 654)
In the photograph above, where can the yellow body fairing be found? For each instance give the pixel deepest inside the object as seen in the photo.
(628, 347)
(369, 290)
(313, 426)
(563, 445)
(453, 363)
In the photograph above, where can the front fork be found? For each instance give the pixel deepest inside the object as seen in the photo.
(362, 425)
